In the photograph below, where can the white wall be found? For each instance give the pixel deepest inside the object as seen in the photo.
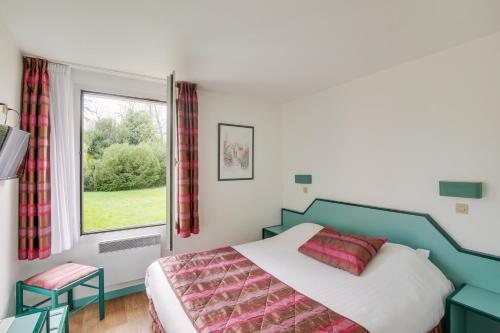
(10, 93)
(387, 139)
(233, 212)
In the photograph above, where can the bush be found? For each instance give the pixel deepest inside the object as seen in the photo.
(160, 151)
(127, 167)
(88, 173)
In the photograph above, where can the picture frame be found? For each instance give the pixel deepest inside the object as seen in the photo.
(235, 152)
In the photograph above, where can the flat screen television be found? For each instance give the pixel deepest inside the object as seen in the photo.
(13, 145)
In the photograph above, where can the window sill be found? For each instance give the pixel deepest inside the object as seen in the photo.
(82, 234)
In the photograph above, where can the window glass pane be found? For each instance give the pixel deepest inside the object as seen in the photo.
(124, 162)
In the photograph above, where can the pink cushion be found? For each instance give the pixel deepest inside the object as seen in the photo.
(351, 253)
(60, 276)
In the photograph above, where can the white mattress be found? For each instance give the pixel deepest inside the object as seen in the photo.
(400, 290)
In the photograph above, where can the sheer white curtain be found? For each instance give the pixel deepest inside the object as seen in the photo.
(65, 218)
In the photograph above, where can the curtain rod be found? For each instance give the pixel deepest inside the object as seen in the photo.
(101, 69)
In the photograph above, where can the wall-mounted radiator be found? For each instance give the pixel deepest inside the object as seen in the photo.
(129, 243)
(126, 259)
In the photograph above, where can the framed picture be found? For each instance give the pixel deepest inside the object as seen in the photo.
(236, 157)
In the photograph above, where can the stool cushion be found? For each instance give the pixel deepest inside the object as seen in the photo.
(60, 276)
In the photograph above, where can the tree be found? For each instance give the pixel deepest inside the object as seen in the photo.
(139, 127)
(158, 113)
(105, 133)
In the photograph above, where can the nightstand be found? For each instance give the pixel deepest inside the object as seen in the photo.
(35, 322)
(268, 232)
(469, 298)
(58, 320)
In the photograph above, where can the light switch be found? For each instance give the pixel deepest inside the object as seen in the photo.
(462, 208)
(305, 189)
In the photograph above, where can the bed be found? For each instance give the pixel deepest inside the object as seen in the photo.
(401, 290)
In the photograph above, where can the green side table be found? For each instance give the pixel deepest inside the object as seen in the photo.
(27, 323)
(469, 298)
(58, 320)
(38, 321)
(268, 232)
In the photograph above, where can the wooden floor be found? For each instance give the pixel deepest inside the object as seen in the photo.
(128, 314)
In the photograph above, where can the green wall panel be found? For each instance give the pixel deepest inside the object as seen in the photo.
(303, 179)
(461, 189)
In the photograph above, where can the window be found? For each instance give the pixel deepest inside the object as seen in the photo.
(125, 164)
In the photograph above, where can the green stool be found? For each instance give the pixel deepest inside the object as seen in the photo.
(60, 280)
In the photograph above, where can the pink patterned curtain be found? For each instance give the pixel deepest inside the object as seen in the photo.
(34, 191)
(187, 167)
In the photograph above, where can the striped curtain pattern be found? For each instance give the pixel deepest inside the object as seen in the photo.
(187, 167)
(34, 191)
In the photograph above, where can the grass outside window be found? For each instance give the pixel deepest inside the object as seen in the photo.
(106, 211)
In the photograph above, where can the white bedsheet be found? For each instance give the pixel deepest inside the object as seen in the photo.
(400, 291)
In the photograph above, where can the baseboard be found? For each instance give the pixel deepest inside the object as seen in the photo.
(113, 294)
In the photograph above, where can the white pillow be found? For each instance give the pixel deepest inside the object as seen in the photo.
(423, 253)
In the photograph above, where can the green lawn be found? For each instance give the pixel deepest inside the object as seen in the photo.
(123, 209)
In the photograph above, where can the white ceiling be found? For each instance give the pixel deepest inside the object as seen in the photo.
(272, 49)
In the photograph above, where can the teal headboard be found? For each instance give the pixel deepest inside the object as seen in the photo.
(412, 229)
